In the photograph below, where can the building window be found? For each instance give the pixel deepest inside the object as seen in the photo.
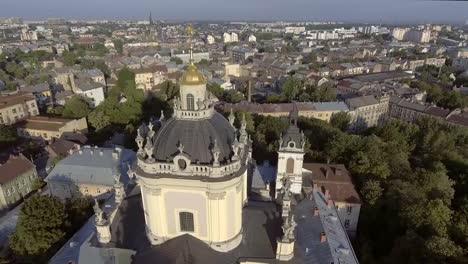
(290, 165)
(186, 222)
(14, 110)
(190, 102)
(349, 209)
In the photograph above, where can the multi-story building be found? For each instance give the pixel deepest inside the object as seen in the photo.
(28, 35)
(17, 176)
(241, 54)
(418, 36)
(294, 30)
(47, 128)
(336, 179)
(460, 64)
(232, 37)
(399, 33)
(92, 90)
(210, 40)
(16, 107)
(90, 171)
(147, 78)
(252, 38)
(367, 111)
(438, 62)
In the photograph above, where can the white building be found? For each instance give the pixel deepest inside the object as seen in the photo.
(252, 38)
(28, 35)
(234, 37)
(399, 33)
(210, 40)
(228, 38)
(92, 90)
(294, 30)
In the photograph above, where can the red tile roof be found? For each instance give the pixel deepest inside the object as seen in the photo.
(14, 167)
(333, 177)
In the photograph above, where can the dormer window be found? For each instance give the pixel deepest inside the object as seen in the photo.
(291, 144)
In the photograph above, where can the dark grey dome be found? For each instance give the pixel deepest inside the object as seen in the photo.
(197, 138)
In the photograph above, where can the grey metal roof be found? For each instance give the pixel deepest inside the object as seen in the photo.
(331, 106)
(361, 101)
(197, 137)
(92, 165)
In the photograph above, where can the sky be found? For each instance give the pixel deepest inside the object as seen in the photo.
(373, 11)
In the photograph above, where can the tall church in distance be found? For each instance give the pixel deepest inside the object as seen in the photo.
(193, 196)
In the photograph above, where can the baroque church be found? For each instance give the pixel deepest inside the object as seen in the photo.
(192, 199)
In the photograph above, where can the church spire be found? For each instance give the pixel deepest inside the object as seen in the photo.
(150, 19)
(190, 33)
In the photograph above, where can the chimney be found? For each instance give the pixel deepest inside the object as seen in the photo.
(115, 155)
(316, 211)
(330, 203)
(80, 151)
(327, 193)
(315, 187)
(101, 153)
(323, 237)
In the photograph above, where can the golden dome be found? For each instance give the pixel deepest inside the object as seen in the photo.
(193, 77)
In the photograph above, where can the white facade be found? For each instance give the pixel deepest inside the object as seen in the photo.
(294, 30)
(399, 33)
(252, 38)
(228, 38)
(210, 40)
(96, 95)
(28, 35)
(234, 37)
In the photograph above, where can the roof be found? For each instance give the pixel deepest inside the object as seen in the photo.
(43, 123)
(197, 138)
(437, 111)
(14, 167)
(261, 225)
(61, 146)
(331, 106)
(361, 101)
(14, 99)
(93, 166)
(336, 248)
(333, 177)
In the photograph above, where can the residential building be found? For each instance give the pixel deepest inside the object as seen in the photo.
(438, 62)
(197, 56)
(17, 176)
(232, 70)
(230, 37)
(367, 111)
(252, 38)
(28, 35)
(336, 179)
(210, 40)
(410, 111)
(90, 171)
(47, 128)
(418, 36)
(16, 107)
(460, 64)
(148, 77)
(240, 54)
(92, 90)
(399, 33)
(294, 30)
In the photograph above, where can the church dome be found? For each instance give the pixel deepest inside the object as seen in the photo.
(193, 77)
(196, 138)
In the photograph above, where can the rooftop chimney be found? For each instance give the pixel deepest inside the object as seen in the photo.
(330, 203)
(323, 237)
(327, 193)
(101, 153)
(80, 151)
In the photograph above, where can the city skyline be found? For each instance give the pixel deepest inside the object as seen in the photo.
(380, 11)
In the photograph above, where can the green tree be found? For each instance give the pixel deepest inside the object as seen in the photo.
(340, 120)
(98, 119)
(233, 96)
(69, 58)
(8, 135)
(42, 225)
(176, 60)
(168, 90)
(291, 88)
(118, 44)
(76, 107)
(216, 90)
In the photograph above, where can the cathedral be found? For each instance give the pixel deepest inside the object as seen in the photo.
(191, 200)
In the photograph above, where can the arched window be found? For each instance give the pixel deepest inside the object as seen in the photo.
(290, 165)
(190, 102)
(186, 222)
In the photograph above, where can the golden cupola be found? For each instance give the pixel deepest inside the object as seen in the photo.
(192, 76)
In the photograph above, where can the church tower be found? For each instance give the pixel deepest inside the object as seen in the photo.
(291, 155)
(192, 172)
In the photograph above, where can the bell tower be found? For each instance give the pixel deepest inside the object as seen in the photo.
(291, 155)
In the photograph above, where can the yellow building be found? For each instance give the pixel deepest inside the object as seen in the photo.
(16, 107)
(48, 128)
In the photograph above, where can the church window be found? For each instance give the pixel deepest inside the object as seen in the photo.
(182, 164)
(290, 165)
(190, 102)
(186, 222)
